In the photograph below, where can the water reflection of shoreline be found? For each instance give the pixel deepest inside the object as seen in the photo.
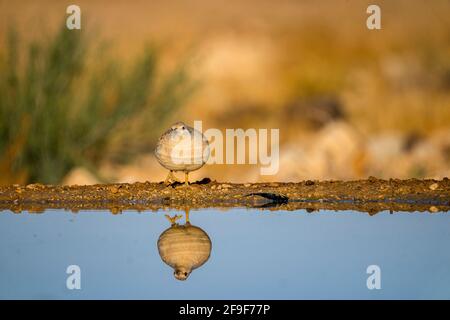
(184, 247)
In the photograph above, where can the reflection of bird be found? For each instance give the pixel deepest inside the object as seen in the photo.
(182, 148)
(184, 247)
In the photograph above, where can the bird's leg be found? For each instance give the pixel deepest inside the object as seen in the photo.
(170, 178)
(173, 220)
(186, 211)
(186, 178)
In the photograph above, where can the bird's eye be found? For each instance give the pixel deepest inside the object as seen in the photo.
(185, 274)
(183, 127)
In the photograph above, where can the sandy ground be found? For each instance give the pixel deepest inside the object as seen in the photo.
(372, 195)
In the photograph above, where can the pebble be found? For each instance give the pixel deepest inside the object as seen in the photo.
(115, 210)
(434, 186)
(274, 184)
(433, 209)
(35, 186)
(113, 189)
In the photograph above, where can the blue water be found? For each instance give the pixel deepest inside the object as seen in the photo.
(255, 255)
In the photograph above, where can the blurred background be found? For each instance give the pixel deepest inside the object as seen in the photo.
(87, 106)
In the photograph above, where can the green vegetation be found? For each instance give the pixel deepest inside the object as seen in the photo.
(59, 109)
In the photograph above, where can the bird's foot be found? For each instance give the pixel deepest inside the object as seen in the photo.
(184, 184)
(186, 179)
(171, 179)
(173, 220)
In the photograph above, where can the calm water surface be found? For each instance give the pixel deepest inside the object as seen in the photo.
(255, 255)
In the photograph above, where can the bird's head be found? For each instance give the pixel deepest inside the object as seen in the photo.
(179, 126)
(181, 273)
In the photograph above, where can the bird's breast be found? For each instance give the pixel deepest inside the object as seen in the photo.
(186, 246)
(182, 153)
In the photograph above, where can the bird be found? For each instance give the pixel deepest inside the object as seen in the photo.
(184, 247)
(182, 148)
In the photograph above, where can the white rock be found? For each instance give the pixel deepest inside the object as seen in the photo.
(79, 176)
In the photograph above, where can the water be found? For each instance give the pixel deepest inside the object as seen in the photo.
(255, 255)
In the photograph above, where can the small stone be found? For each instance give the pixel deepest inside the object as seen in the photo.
(226, 186)
(115, 210)
(247, 185)
(113, 189)
(35, 186)
(434, 186)
(309, 182)
(433, 209)
(273, 184)
(213, 187)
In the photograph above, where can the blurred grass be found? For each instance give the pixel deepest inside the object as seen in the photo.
(59, 109)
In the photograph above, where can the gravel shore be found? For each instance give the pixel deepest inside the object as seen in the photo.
(371, 195)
